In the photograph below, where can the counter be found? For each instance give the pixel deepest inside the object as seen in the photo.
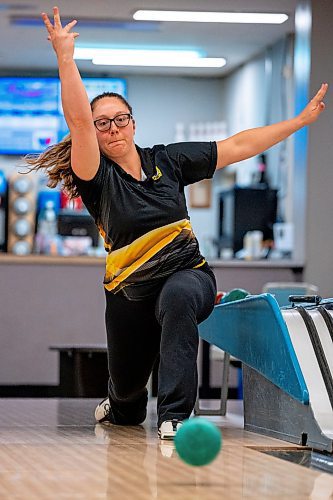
(253, 275)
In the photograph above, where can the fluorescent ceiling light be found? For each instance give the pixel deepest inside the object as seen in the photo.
(91, 52)
(201, 62)
(209, 17)
(156, 58)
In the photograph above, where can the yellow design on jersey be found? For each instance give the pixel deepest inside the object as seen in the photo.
(200, 264)
(107, 246)
(121, 263)
(158, 174)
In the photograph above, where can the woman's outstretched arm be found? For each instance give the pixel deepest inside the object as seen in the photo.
(85, 154)
(254, 141)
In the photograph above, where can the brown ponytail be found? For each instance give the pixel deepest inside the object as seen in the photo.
(56, 162)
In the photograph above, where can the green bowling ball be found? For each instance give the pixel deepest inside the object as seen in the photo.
(198, 441)
(234, 294)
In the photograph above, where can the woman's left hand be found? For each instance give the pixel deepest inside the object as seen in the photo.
(315, 107)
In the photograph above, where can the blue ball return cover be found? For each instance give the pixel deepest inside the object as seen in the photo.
(253, 330)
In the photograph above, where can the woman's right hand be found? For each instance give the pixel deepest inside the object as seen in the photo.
(62, 38)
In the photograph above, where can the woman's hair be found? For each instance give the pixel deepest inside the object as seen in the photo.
(55, 161)
(111, 94)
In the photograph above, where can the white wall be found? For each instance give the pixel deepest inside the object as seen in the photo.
(319, 214)
(258, 94)
(244, 107)
(160, 102)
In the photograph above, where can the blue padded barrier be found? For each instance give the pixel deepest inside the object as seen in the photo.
(253, 330)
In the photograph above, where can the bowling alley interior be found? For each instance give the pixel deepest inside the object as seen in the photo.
(194, 74)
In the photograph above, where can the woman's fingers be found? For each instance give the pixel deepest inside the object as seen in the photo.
(57, 22)
(56, 17)
(47, 22)
(316, 103)
(321, 93)
(70, 25)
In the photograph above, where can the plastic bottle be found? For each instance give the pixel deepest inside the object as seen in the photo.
(47, 230)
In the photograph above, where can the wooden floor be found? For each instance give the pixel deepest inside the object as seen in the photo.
(51, 449)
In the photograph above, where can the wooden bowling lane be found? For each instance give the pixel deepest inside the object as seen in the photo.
(51, 449)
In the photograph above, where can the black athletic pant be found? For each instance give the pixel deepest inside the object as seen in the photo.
(166, 324)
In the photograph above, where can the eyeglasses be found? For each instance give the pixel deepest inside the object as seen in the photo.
(104, 124)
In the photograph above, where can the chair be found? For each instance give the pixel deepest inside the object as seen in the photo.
(282, 290)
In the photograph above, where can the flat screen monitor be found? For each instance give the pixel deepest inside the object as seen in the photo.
(31, 115)
(245, 209)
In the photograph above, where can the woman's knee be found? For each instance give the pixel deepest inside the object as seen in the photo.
(186, 293)
(175, 301)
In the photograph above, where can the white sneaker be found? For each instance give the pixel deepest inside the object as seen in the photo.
(102, 412)
(169, 428)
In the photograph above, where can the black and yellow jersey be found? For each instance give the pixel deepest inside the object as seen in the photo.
(145, 224)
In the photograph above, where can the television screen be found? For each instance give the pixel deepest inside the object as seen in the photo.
(31, 115)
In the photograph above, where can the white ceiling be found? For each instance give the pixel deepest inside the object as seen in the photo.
(25, 47)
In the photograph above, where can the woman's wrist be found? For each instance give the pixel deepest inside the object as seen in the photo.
(65, 59)
(298, 122)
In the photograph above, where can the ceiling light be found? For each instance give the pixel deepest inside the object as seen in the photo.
(91, 52)
(200, 62)
(156, 58)
(209, 17)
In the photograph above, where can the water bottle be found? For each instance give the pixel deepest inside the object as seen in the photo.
(47, 230)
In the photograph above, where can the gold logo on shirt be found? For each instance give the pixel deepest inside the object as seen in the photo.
(158, 174)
